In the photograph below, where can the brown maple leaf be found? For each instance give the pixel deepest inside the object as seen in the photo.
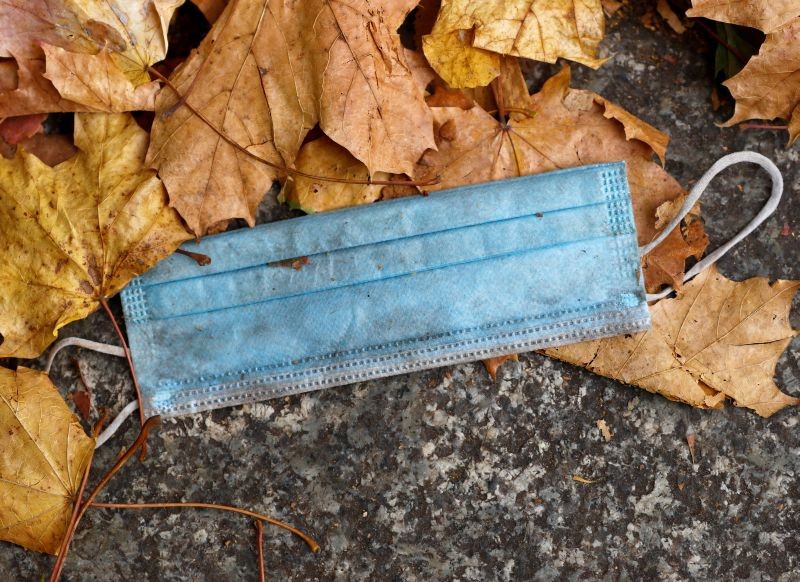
(765, 15)
(82, 55)
(720, 339)
(267, 73)
(769, 84)
(566, 128)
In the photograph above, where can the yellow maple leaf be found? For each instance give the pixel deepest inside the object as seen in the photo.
(96, 54)
(43, 458)
(267, 72)
(77, 233)
(769, 84)
(720, 339)
(325, 157)
(468, 36)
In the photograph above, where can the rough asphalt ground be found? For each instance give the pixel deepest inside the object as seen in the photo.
(447, 475)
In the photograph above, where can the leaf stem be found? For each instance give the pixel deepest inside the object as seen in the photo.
(260, 542)
(291, 171)
(80, 509)
(104, 303)
(526, 112)
(73, 522)
(762, 126)
(313, 546)
(199, 258)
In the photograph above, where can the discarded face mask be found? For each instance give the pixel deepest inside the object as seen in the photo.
(393, 287)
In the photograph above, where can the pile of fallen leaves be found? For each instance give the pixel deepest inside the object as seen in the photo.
(323, 97)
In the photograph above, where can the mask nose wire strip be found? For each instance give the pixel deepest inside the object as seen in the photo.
(697, 191)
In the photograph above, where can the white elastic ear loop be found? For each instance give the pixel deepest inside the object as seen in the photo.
(103, 349)
(697, 191)
(112, 428)
(81, 343)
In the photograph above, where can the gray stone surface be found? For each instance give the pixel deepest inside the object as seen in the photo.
(447, 475)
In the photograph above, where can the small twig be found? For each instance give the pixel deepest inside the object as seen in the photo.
(313, 546)
(98, 426)
(260, 542)
(199, 258)
(287, 170)
(762, 126)
(73, 523)
(80, 509)
(104, 303)
(739, 56)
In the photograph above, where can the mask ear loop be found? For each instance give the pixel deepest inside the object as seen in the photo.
(697, 191)
(129, 409)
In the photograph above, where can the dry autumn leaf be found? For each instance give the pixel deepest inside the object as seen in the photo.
(77, 233)
(567, 128)
(765, 15)
(267, 73)
(325, 157)
(44, 456)
(468, 37)
(96, 54)
(769, 84)
(52, 149)
(720, 339)
(493, 364)
(211, 9)
(14, 130)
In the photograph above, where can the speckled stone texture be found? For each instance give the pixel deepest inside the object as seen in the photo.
(444, 474)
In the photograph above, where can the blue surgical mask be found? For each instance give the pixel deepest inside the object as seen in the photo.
(402, 285)
(389, 288)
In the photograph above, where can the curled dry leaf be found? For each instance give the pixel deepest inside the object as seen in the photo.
(13, 130)
(268, 72)
(769, 84)
(44, 456)
(720, 339)
(469, 36)
(325, 157)
(765, 15)
(77, 233)
(567, 128)
(52, 148)
(668, 14)
(96, 54)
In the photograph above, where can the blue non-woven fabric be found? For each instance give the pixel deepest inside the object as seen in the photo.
(391, 287)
